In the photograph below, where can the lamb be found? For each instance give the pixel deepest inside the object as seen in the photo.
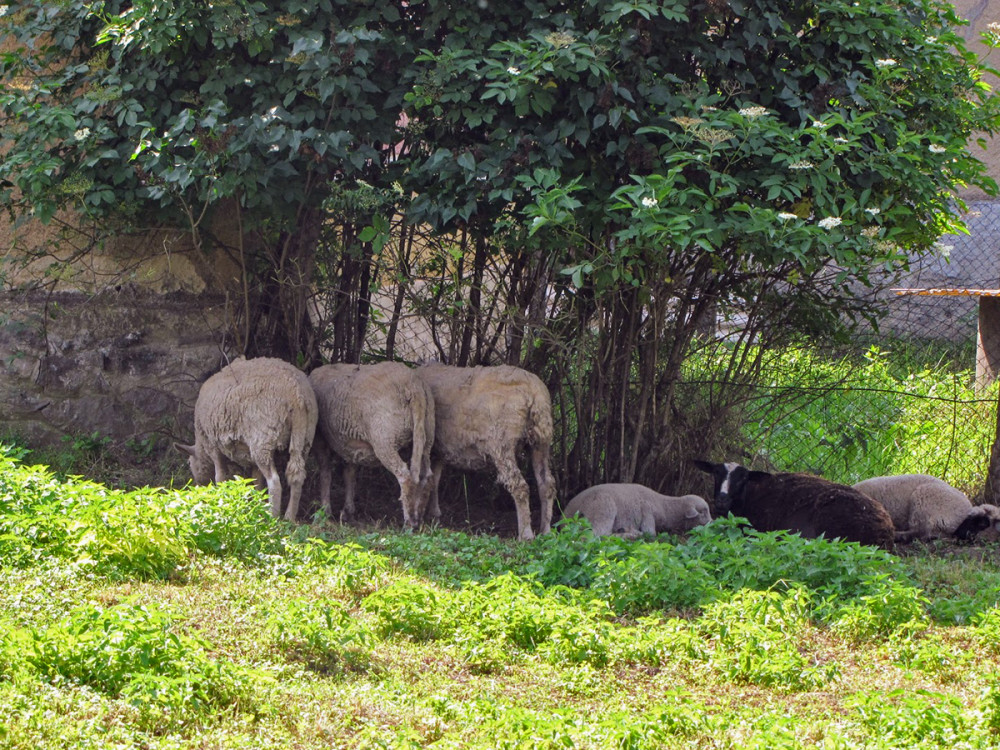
(367, 414)
(483, 416)
(802, 503)
(244, 414)
(629, 510)
(925, 507)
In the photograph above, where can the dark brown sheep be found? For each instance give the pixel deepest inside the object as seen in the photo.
(809, 505)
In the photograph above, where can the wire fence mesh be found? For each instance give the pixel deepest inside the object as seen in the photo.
(917, 395)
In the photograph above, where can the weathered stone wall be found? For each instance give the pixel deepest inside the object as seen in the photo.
(124, 364)
(110, 337)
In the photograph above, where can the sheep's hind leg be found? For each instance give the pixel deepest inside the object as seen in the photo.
(408, 484)
(546, 485)
(265, 464)
(350, 480)
(511, 478)
(295, 472)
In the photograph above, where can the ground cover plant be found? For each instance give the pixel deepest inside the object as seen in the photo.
(192, 619)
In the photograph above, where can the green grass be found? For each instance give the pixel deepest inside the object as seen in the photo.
(906, 409)
(190, 619)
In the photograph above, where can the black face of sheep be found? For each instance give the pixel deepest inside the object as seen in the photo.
(730, 482)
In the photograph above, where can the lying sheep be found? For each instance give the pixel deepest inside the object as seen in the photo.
(483, 415)
(925, 507)
(629, 510)
(244, 414)
(367, 414)
(802, 503)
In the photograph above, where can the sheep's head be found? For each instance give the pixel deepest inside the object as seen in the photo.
(979, 519)
(731, 480)
(202, 468)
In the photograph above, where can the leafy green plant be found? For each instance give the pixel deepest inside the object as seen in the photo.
(919, 719)
(324, 635)
(756, 636)
(409, 608)
(137, 653)
(891, 608)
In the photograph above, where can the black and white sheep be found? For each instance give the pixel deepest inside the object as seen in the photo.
(926, 507)
(245, 414)
(367, 415)
(483, 416)
(809, 505)
(630, 510)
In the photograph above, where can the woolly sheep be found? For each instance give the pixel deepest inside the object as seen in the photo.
(483, 415)
(367, 414)
(244, 414)
(925, 507)
(802, 503)
(630, 510)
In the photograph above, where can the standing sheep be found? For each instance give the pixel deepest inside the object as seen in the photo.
(244, 414)
(483, 415)
(367, 414)
(802, 503)
(925, 507)
(630, 510)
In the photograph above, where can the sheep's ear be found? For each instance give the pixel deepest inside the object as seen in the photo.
(706, 466)
(188, 449)
(757, 475)
(692, 512)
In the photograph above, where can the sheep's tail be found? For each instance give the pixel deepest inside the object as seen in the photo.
(422, 415)
(300, 441)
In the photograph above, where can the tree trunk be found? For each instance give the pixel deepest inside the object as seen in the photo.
(991, 493)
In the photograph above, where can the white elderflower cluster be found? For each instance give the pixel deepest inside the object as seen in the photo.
(514, 71)
(81, 134)
(830, 222)
(753, 112)
(801, 165)
(785, 216)
(649, 202)
(936, 148)
(886, 62)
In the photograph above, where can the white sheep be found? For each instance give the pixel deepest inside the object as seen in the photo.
(367, 414)
(925, 507)
(483, 415)
(244, 414)
(630, 510)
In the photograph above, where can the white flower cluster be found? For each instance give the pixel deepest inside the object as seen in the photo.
(936, 148)
(649, 202)
(801, 165)
(753, 112)
(785, 216)
(830, 222)
(873, 211)
(81, 134)
(886, 62)
(514, 71)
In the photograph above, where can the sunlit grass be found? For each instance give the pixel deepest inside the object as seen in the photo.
(264, 635)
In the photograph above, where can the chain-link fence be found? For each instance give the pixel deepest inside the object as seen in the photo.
(916, 395)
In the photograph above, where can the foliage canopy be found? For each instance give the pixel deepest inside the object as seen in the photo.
(602, 178)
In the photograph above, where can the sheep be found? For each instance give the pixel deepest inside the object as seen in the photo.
(243, 415)
(925, 507)
(802, 503)
(367, 413)
(483, 415)
(629, 510)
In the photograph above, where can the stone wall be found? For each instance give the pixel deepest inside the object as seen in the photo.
(125, 364)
